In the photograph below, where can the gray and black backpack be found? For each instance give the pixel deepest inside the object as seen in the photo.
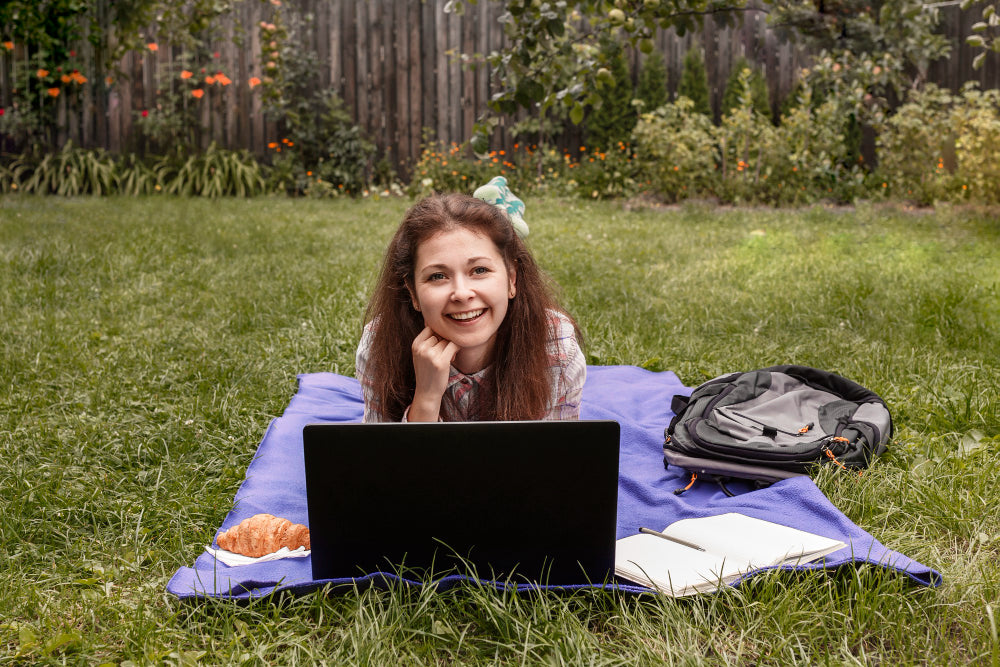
(774, 423)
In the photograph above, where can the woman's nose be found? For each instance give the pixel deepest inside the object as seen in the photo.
(462, 290)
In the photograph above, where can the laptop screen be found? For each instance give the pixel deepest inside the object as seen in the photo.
(520, 501)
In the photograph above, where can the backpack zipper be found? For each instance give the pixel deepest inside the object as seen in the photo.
(739, 453)
(800, 432)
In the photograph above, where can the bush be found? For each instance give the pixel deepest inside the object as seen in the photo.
(321, 149)
(977, 145)
(914, 146)
(747, 147)
(70, 172)
(675, 151)
(446, 169)
(214, 173)
(811, 153)
(603, 174)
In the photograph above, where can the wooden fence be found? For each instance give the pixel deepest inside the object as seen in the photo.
(396, 66)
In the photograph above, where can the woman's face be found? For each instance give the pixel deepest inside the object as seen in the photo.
(461, 286)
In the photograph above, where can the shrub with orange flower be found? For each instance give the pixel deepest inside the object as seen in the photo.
(153, 46)
(186, 74)
(253, 82)
(54, 92)
(198, 93)
(42, 73)
(8, 45)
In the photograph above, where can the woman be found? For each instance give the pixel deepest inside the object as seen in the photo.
(462, 324)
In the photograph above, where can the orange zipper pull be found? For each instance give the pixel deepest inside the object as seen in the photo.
(833, 458)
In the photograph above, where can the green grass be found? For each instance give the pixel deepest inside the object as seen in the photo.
(146, 343)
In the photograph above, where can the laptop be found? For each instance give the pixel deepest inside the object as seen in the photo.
(520, 502)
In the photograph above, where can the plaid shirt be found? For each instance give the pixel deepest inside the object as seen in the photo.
(462, 400)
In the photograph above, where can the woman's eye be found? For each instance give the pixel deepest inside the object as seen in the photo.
(479, 270)
(435, 277)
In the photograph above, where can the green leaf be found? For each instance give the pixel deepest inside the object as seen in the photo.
(975, 40)
(978, 61)
(576, 114)
(62, 642)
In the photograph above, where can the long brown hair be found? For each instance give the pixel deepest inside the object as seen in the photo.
(517, 386)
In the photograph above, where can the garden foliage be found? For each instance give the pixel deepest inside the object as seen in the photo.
(943, 147)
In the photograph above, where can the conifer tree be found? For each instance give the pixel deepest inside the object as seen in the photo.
(652, 88)
(694, 81)
(614, 119)
(758, 90)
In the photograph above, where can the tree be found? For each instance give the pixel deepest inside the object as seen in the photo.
(553, 56)
(694, 81)
(652, 89)
(986, 32)
(734, 89)
(612, 121)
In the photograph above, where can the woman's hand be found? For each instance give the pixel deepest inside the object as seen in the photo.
(432, 357)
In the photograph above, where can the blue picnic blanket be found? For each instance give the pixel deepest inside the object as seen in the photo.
(638, 399)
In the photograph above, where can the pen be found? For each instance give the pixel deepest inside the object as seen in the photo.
(650, 531)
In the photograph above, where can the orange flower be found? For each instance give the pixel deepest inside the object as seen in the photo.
(53, 92)
(223, 79)
(42, 73)
(9, 46)
(186, 74)
(65, 78)
(272, 144)
(198, 93)
(254, 82)
(153, 46)
(210, 80)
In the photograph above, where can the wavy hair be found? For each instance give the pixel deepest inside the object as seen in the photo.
(517, 385)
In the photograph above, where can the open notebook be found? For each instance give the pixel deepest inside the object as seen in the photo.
(700, 555)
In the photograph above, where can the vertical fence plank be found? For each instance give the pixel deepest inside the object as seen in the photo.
(350, 59)
(336, 51)
(440, 33)
(414, 88)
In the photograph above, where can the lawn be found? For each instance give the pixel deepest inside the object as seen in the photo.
(145, 344)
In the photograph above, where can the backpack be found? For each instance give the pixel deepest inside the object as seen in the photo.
(774, 423)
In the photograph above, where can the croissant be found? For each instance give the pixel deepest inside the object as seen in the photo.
(262, 534)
